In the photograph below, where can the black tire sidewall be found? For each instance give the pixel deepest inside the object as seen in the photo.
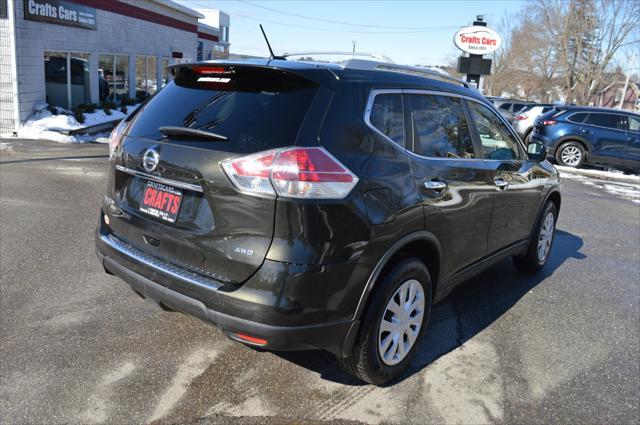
(566, 145)
(403, 271)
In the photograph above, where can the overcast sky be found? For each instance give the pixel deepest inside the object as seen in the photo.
(409, 32)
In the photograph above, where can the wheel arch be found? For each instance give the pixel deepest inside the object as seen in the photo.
(422, 245)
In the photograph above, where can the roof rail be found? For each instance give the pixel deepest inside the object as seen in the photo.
(379, 57)
(367, 65)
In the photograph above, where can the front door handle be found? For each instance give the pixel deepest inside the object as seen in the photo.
(587, 131)
(501, 183)
(435, 186)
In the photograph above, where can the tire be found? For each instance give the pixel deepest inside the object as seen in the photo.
(571, 154)
(531, 261)
(366, 361)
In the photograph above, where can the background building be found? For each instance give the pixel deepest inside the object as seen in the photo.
(72, 52)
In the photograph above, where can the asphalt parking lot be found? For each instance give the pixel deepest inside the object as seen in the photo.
(78, 346)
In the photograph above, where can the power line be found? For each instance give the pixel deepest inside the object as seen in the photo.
(334, 30)
(340, 22)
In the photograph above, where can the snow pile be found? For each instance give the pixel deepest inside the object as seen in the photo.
(45, 125)
(611, 174)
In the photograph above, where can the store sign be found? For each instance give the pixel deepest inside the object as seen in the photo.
(477, 40)
(60, 12)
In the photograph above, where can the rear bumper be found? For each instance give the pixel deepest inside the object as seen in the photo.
(285, 324)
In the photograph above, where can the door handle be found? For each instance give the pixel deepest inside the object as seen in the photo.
(587, 131)
(435, 185)
(501, 183)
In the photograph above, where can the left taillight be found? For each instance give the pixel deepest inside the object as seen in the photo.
(521, 117)
(307, 173)
(115, 138)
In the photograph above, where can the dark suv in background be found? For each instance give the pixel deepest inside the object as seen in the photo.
(302, 205)
(581, 135)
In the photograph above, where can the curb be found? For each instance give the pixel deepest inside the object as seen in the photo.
(602, 175)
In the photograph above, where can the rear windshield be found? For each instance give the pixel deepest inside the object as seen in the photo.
(256, 109)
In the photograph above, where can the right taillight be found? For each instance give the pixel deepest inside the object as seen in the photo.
(520, 117)
(548, 122)
(308, 173)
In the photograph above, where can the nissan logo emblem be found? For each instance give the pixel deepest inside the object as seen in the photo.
(150, 160)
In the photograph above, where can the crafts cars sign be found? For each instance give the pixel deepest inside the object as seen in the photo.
(477, 40)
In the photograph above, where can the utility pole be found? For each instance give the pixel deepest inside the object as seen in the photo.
(354, 45)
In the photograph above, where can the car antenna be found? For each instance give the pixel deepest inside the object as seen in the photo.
(269, 46)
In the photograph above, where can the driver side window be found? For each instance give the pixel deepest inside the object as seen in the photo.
(497, 141)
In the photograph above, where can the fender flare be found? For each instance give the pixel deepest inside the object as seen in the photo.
(420, 235)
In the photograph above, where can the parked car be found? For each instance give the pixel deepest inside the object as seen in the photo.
(583, 135)
(510, 108)
(523, 122)
(274, 200)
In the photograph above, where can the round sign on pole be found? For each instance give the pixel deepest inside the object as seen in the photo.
(477, 40)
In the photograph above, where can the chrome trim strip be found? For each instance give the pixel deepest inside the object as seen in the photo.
(157, 264)
(174, 183)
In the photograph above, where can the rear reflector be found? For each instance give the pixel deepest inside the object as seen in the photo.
(308, 173)
(250, 339)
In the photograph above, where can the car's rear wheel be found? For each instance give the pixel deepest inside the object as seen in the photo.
(570, 154)
(539, 249)
(393, 324)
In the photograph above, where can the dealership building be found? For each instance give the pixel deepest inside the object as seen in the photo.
(71, 52)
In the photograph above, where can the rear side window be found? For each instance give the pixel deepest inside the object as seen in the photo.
(497, 141)
(440, 128)
(505, 106)
(634, 124)
(613, 121)
(255, 109)
(577, 118)
(387, 116)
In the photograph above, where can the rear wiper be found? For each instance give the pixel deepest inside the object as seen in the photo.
(190, 133)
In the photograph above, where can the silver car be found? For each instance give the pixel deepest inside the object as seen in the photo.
(523, 121)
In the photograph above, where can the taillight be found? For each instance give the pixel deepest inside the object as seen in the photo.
(548, 122)
(520, 118)
(309, 173)
(115, 138)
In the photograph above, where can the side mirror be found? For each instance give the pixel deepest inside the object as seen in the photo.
(537, 151)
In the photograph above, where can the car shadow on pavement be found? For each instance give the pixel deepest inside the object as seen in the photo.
(469, 309)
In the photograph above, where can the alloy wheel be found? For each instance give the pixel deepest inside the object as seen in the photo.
(571, 156)
(401, 322)
(546, 236)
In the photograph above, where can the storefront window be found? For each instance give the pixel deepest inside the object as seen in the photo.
(79, 79)
(55, 79)
(121, 79)
(152, 77)
(66, 78)
(165, 72)
(105, 77)
(146, 77)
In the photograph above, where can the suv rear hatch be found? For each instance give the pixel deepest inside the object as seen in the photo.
(217, 230)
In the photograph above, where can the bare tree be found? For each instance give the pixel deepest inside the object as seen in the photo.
(585, 36)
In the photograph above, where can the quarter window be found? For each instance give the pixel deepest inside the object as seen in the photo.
(634, 124)
(440, 128)
(497, 141)
(388, 117)
(613, 121)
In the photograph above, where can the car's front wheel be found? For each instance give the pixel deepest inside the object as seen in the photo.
(393, 324)
(570, 154)
(539, 249)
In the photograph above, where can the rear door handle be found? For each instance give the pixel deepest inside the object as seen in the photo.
(587, 131)
(435, 185)
(501, 183)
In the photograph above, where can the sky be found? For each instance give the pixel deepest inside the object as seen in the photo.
(409, 32)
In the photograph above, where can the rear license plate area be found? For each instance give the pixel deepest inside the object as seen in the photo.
(161, 201)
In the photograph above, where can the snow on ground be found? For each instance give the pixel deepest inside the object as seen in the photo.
(624, 190)
(609, 174)
(45, 125)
